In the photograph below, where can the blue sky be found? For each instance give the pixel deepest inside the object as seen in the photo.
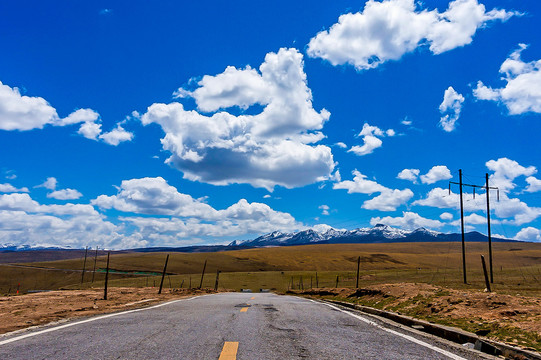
(132, 124)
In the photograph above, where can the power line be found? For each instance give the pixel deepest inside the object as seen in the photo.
(487, 189)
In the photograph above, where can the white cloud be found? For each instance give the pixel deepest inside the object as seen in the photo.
(90, 130)
(387, 200)
(182, 220)
(473, 219)
(50, 183)
(522, 92)
(512, 210)
(20, 112)
(324, 209)
(505, 171)
(406, 122)
(65, 194)
(450, 109)
(534, 184)
(437, 173)
(8, 188)
(370, 135)
(408, 220)
(116, 136)
(79, 116)
(529, 234)
(273, 147)
(23, 113)
(446, 216)
(341, 145)
(266, 196)
(389, 29)
(153, 196)
(409, 174)
(359, 185)
(24, 221)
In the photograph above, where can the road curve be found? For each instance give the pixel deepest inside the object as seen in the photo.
(228, 326)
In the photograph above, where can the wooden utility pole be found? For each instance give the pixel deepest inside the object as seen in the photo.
(487, 188)
(489, 234)
(462, 227)
(203, 274)
(106, 277)
(95, 260)
(358, 268)
(84, 266)
(163, 273)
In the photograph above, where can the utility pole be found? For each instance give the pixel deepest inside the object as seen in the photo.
(487, 188)
(489, 235)
(462, 227)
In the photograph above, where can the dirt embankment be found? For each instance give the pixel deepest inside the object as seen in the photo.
(512, 319)
(18, 312)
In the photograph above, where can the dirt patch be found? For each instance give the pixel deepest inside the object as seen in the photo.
(18, 312)
(513, 319)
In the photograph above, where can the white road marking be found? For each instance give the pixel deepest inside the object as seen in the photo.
(407, 337)
(139, 302)
(17, 338)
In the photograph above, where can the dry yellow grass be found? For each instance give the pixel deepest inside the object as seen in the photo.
(517, 266)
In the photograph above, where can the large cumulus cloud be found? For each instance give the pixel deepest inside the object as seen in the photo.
(215, 144)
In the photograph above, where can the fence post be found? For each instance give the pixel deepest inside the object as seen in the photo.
(216, 283)
(358, 267)
(84, 266)
(95, 260)
(486, 275)
(106, 277)
(203, 274)
(336, 281)
(163, 274)
(317, 281)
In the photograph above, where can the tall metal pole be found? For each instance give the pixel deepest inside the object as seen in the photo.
(84, 266)
(489, 235)
(462, 227)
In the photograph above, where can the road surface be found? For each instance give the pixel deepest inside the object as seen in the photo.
(228, 326)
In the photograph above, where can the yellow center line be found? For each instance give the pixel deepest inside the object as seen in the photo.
(244, 309)
(229, 352)
(253, 297)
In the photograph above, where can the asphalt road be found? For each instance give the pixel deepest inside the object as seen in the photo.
(228, 326)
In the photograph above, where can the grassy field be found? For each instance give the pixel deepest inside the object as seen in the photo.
(517, 267)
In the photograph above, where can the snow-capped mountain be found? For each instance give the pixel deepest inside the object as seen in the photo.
(378, 234)
(13, 247)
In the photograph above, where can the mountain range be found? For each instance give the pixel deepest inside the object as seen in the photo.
(378, 234)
